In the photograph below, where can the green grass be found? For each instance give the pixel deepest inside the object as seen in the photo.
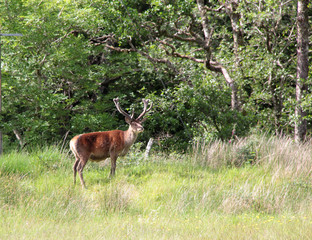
(255, 188)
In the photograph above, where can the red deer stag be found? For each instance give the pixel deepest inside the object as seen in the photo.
(98, 146)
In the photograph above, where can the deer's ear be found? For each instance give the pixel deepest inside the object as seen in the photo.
(128, 120)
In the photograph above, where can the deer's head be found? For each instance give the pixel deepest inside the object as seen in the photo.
(135, 123)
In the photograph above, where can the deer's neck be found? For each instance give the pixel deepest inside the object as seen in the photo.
(130, 137)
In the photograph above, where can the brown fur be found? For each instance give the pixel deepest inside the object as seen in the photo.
(98, 146)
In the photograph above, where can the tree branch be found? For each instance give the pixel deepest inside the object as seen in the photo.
(219, 9)
(154, 60)
(174, 53)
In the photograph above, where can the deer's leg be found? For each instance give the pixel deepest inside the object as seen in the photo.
(113, 158)
(80, 167)
(75, 168)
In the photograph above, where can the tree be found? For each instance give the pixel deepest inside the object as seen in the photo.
(209, 66)
(267, 63)
(49, 72)
(302, 68)
(180, 31)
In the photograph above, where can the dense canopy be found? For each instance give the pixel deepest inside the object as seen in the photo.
(214, 69)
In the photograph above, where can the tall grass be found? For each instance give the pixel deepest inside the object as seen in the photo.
(35, 162)
(255, 188)
(281, 175)
(280, 153)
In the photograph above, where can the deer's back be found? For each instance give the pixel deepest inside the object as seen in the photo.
(99, 145)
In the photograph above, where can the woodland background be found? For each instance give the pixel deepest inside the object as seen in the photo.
(232, 116)
(214, 69)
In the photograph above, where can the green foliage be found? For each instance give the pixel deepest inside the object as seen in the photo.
(60, 77)
(196, 112)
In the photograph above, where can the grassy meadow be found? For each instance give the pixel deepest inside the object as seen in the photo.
(254, 188)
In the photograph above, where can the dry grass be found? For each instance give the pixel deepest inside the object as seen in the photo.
(279, 153)
(280, 179)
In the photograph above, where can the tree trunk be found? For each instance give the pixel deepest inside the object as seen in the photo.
(19, 138)
(148, 147)
(231, 10)
(302, 68)
(213, 65)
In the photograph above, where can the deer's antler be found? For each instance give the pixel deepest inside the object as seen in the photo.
(116, 101)
(145, 110)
